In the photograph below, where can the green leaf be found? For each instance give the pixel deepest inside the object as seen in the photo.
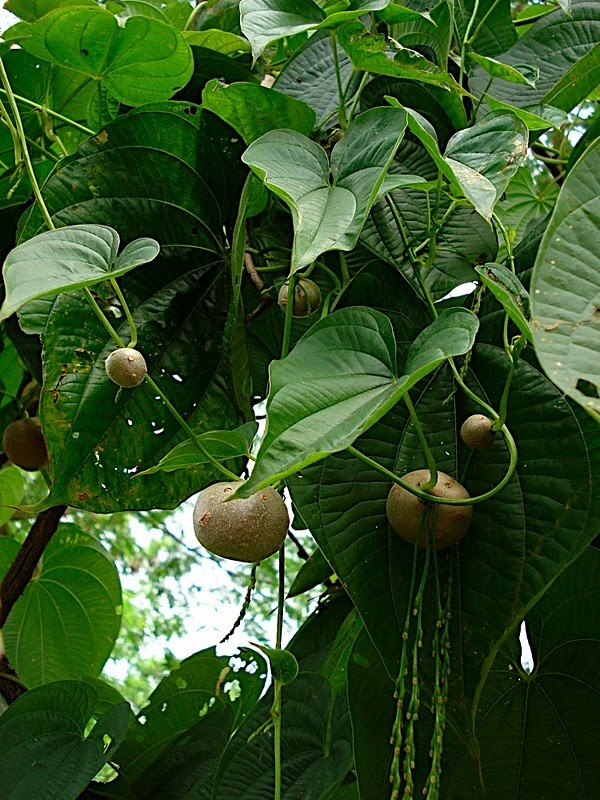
(492, 28)
(316, 748)
(189, 693)
(143, 61)
(253, 110)
(185, 769)
(222, 41)
(374, 53)
(510, 292)
(184, 188)
(310, 414)
(68, 258)
(328, 216)
(545, 719)
(44, 750)
(314, 571)
(31, 10)
(555, 44)
(12, 489)
(173, 12)
(537, 117)
(429, 33)
(265, 21)
(68, 618)
(284, 667)
(527, 200)
(219, 444)
(525, 75)
(565, 286)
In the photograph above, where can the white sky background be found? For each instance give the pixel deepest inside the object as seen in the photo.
(213, 615)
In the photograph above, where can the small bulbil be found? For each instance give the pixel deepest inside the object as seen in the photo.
(405, 510)
(126, 367)
(307, 297)
(248, 529)
(476, 432)
(24, 445)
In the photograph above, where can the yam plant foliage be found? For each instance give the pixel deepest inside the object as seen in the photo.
(165, 171)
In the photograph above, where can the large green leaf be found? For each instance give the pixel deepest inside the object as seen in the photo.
(328, 216)
(555, 44)
(518, 542)
(374, 53)
(265, 21)
(143, 61)
(253, 110)
(544, 721)
(191, 691)
(527, 200)
(316, 748)
(44, 749)
(339, 380)
(68, 258)
(67, 620)
(172, 171)
(565, 286)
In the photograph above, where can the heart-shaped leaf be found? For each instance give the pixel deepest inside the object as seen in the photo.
(265, 21)
(68, 258)
(284, 667)
(328, 216)
(68, 618)
(253, 110)
(140, 62)
(44, 749)
(339, 380)
(565, 286)
(219, 444)
(510, 292)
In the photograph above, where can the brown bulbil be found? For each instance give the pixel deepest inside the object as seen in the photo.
(126, 367)
(307, 297)
(244, 530)
(24, 444)
(404, 510)
(476, 432)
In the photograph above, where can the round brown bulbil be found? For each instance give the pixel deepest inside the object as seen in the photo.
(24, 445)
(405, 511)
(476, 432)
(307, 297)
(126, 367)
(248, 529)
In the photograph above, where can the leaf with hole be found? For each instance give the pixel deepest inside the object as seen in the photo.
(45, 751)
(565, 286)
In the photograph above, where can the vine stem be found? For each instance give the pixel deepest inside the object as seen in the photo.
(431, 465)
(276, 710)
(287, 326)
(128, 314)
(466, 41)
(221, 467)
(25, 150)
(50, 112)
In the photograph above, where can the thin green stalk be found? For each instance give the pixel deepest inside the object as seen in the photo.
(431, 465)
(276, 710)
(477, 105)
(481, 22)
(14, 133)
(216, 464)
(287, 325)
(508, 244)
(514, 357)
(102, 317)
(344, 268)
(31, 142)
(193, 16)
(338, 76)
(361, 86)
(26, 157)
(128, 314)
(466, 41)
(467, 501)
(51, 113)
